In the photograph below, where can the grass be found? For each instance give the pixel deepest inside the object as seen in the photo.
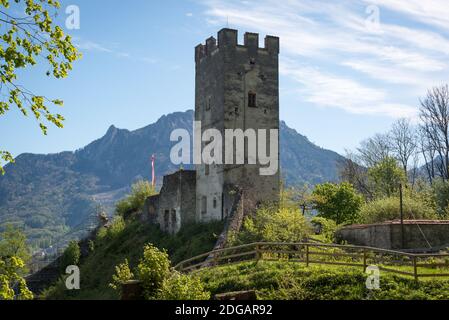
(293, 281)
(126, 241)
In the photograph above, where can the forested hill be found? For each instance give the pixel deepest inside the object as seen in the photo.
(55, 196)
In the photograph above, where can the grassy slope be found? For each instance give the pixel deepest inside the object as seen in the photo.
(118, 244)
(292, 281)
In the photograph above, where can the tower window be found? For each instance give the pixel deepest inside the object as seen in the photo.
(203, 205)
(215, 203)
(173, 216)
(208, 103)
(207, 170)
(252, 100)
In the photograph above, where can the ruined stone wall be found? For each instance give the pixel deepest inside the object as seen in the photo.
(389, 235)
(175, 205)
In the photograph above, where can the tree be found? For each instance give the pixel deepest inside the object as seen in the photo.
(339, 202)
(428, 152)
(27, 38)
(403, 143)
(14, 243)
(386, 177)
(10, 270)
(374, 150)
(354, 173)
(434, 115)
(71, 255)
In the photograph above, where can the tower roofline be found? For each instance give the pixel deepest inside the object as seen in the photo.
(228, 38)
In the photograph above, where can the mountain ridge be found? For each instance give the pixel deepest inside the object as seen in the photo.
(49, 195)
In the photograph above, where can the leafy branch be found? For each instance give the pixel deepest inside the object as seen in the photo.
(23, 41)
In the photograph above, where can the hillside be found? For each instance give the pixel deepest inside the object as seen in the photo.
(54, 197)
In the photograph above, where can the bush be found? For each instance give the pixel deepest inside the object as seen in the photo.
(326, 227)
(152, 270)
(71, 255)
(183, 287)
(159, 282)
(271, 224)
(135, 201)
(388, 209)
(122, 274)
(339, 202)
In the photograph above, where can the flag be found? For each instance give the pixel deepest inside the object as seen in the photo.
(153, 175)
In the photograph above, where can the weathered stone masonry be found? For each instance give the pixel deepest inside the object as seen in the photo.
(236, 87)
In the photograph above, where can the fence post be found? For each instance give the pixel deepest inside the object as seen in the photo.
(258, 253)
(415, 268)
(307, 254)
(364, 260)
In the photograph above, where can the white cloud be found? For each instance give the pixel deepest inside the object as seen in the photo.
(330, 90)
(333, 36)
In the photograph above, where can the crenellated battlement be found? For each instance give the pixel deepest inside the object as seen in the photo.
(228, 39)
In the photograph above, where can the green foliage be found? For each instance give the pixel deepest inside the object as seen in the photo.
(113, 229)
(388, 209)
(158, 280)
(14, 243)
(10, 270)
(152, 270)
(440, 194)
(135, 201)
(14, 255)
(183, 287)
(293, 281)
(122, 274)
(326, 227)
(271, 224)
(29, 34)
(338, 202)
(112, 248)
(386, 176)
(71, 255)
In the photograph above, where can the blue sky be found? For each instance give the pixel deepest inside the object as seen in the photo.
(344, 77)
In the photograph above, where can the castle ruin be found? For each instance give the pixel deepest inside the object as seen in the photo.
(236, 88)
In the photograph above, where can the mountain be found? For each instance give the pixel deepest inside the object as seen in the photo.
(55, 197)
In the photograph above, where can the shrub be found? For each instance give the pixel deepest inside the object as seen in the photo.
(153, 269)
(71, 255)
(272, 225)
(338, 202)
(122, 274)
(388, 209)
(159, 281)
(327, 228)
(135, 201)
(183, 287)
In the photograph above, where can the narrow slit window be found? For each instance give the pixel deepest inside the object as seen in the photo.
(252, 100)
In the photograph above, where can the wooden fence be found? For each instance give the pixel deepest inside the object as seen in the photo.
(408, 264)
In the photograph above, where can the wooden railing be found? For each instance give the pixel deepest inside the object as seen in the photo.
(408, 264)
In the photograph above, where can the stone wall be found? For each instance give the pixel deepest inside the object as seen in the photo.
(421, 235)
(175, 205)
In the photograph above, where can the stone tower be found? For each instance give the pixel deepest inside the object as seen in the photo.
(237, 87)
